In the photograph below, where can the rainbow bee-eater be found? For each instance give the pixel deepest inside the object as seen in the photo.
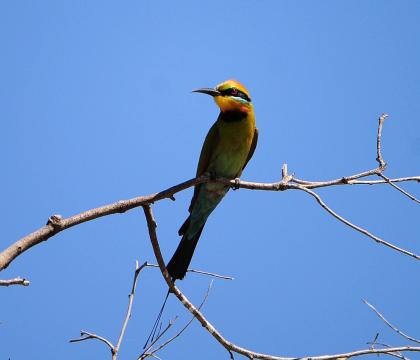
(229, 145)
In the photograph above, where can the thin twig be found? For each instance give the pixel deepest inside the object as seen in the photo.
(350, 180)
(397, 355)
(390, 182)
(382, 163)
(375, 342)
(147, 352)
(56, 223)
(114, 349)
(129, 309)
(393, 327)
(179, 333)
(151, 225)
(218, 276)
(155, 356)
(87, 336)
(224, 277)
(379, 159)
(16, 281)
(355, 227)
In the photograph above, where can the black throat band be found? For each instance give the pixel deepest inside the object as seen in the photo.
(232, 116)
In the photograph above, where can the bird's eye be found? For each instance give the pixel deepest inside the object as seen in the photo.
(234, 91)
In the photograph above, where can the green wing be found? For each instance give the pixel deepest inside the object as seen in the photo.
(210, 143)
(252, 148)
(207, 150)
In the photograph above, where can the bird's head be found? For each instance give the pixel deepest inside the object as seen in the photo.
(230, 95)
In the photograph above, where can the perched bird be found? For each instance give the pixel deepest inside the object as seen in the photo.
(229, 145)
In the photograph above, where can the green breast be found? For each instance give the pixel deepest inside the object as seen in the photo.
(232, 149)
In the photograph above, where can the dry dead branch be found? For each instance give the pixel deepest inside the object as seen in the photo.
(56, 224)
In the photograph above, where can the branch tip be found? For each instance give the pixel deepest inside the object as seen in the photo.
(16, 281)
(393, 327)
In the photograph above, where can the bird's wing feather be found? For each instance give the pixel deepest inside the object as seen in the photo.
(252, 148)
(210, 143)
(207, 150)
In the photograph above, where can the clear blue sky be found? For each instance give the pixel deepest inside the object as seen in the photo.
(95, 106)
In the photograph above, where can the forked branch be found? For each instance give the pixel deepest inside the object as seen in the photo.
(229, 346)
(56, 223)
(393, 327)
(84, 335)
(154, 347)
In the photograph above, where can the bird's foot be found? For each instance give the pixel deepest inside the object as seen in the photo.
(236, 186)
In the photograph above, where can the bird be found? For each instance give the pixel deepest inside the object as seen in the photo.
(227, 149)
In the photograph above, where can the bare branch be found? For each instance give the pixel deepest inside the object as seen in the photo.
(375, 342)
(379, 159)
(374, 182)
(229, 346)
(87, 336)
(56, 223)
(398, 355)
(218, 276)
(390, 182)
(147, 352)
(382, 163)
(155, 356)
(114, 349)
(351, 180)
(280, 186)
(224, 277)
(16, 281)
(358, 228)
(390, 325)
(129, 309)
(151, 225)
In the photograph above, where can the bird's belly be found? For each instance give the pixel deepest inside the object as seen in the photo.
(231, 155)
(230, 163)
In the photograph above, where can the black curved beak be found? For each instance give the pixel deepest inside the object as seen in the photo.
(208, 91)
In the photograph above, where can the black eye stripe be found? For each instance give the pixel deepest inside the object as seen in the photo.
(236, 92)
